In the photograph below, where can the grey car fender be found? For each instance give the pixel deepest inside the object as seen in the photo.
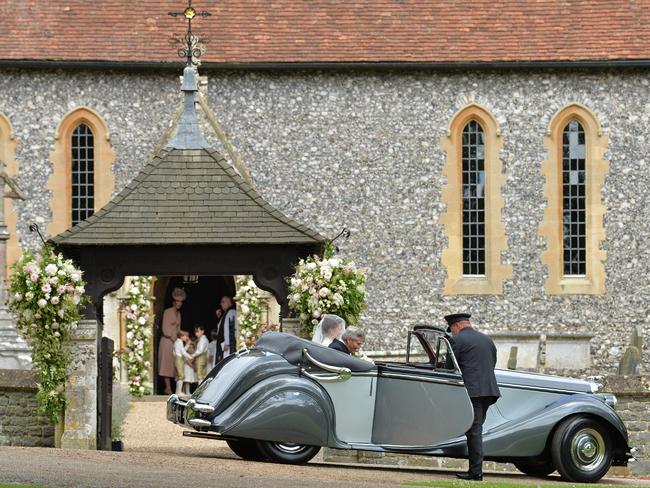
(284, 408)
(506, 439)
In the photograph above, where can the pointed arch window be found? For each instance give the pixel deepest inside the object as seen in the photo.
(472, 223)
(82, 160)
(573, 219)
(7, 156)
(83, 176)
(473, 169)
(574, 216)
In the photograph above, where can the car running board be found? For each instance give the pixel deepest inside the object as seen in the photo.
(204, 435)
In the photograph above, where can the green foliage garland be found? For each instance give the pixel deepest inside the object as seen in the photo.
(138, 331)
(46, 296)
(328, 285)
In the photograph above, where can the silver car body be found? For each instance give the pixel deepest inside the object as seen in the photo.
(293, 391)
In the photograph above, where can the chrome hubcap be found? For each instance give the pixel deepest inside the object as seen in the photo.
(289, 448)
(587, 449)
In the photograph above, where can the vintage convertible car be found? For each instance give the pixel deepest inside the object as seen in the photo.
(287, 397)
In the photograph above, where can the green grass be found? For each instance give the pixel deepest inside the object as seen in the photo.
(8, 485)
(490, 484)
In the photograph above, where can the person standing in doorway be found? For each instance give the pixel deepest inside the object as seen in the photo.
(171, 325)
(180, 358)
(226, 328)
(477, 357)
(212, 349)
(200, 355)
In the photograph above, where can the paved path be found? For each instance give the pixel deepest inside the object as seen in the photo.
(157, 455)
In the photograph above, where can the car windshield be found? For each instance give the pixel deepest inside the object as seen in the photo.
(417, 353)
(439, 347)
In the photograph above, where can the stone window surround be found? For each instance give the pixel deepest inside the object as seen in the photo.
(495, 239)
(7, 156)
(60, 181)
(593, 283)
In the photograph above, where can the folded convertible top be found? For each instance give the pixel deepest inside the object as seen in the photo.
(290, 348)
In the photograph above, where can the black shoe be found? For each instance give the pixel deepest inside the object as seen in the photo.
(469, 476)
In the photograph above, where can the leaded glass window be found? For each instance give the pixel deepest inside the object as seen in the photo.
(83, 160)
(573, 199)
(473, 172)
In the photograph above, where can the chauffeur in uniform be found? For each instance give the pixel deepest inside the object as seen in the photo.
(477, 356)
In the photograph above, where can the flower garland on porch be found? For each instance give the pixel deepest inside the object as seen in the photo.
(138, 331)
(46, 296)
(328, 285)
(249, 310)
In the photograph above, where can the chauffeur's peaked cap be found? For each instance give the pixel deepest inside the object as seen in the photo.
(455, 317)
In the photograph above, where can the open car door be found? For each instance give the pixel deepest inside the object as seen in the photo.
(422, 402)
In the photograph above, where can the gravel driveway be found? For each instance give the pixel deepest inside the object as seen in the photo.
(157, 455)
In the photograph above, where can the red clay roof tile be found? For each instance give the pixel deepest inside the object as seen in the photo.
(296, 31)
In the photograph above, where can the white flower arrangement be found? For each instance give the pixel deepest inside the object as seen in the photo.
(326, 285)
(47, 295)
(249, 310)
(138, 331)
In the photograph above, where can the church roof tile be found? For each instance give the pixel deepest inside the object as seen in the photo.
(289, 31)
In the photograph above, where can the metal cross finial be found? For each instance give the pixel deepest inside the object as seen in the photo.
(190, 50)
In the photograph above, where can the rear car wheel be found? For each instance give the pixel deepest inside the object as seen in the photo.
(246, 449)
(581, 450)
(286, 452)
(535, 467)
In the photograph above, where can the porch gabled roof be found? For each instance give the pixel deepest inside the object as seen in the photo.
(187, 196)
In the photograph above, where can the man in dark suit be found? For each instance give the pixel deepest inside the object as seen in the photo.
(351, 341)
(477, 356)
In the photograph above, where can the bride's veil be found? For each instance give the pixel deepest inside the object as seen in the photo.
(319, 335)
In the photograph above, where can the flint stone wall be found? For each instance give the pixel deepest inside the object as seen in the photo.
(362, 150)
(633, 394)
(20, 422)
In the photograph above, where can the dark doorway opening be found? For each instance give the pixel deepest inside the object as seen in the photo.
(203, 296)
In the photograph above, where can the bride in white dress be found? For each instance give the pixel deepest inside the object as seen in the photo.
(329, 328)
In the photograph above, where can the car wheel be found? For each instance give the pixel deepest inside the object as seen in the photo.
(581, 450)
(286, 452)
(246, 449)
(535, 467)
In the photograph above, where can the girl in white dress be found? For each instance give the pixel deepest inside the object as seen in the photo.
(190, 374)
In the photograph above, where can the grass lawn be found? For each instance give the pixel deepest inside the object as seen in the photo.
(7, 485)
(488, 484)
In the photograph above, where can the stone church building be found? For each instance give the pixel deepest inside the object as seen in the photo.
(489, 158)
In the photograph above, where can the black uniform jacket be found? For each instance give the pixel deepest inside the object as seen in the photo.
(477, 356)
(339, 346)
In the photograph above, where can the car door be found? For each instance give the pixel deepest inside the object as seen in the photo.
(352, 391)
(421, 403)
(354, 404)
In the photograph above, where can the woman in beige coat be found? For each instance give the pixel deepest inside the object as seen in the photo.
(171, 325)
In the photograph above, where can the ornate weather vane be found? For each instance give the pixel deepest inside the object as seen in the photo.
(191, 49)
